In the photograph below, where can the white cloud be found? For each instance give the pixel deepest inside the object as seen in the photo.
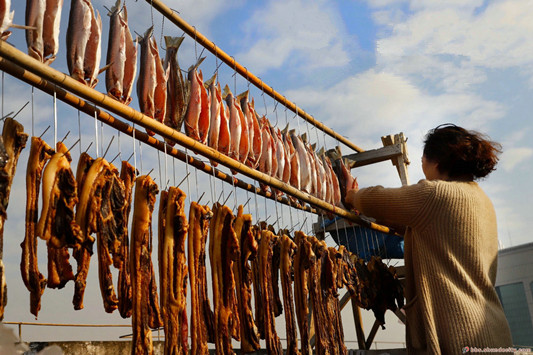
(512, 157)
(309, 32)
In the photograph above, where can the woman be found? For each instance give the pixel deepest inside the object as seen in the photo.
(451, 244)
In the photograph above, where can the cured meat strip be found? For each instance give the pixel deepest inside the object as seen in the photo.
(202, 326)
(178, 89)
(110, 233)
(243, 280)
(256, 283)
(83, 42)
(223, 252)
(12, 141)
(127, 175)
(121, 55)
(91, 182)
(332, 281)
(303, 260)
(287, 252)
(322, 345)
(273, 344)
(35, 282)
(173, 227)
(57, 224)
(276, 259)
(141, 267)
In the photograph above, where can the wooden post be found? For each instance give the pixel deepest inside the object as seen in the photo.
(400, 161)
(359, 331)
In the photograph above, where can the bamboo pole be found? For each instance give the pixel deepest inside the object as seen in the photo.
(232, 63)
(62, 80)
(125, 128)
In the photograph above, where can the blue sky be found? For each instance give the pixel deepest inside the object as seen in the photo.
(364, 68)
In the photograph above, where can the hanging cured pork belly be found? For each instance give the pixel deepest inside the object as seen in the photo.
(57, 224)
(202, 326)
(173, 227)
(124, 292)
(152, 82)
(6, 19)
(273, 344)
(146, 312)
(42, 35)
(223, 252)
(178, 89)
(121, 55)
(256, 283)
(12, 141)
(35, 282)
(84, 34)
(322, 345)
(197, 117)
(304, 258)
(243, 280)
(287, 252)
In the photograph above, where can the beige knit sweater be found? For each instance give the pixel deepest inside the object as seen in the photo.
(451, 249)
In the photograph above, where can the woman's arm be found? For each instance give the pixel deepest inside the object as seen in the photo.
(401, 206)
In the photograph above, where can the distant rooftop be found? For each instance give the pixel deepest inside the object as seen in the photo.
(516, 248)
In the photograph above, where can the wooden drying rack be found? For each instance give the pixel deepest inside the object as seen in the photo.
(96, 104)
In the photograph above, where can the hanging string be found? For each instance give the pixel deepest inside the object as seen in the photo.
(166, 167)
(256, 204)
(141, 156)
(55, 118)
(32, 109)
(187, 177)
(79, 125)
(159, 164)
(134, 153)
(96, 132)
(118, 145)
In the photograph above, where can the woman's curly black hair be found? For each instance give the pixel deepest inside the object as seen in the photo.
(460, 153)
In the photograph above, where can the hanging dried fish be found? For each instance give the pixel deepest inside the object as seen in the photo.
(83, 42)
(121, 55)
(178, 89)
(152, 82)
(42, 35)
(6, 18)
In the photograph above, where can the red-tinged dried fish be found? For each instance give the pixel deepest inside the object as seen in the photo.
(202, 322)
(344, 176)
(194, 106)
(216, 106)
(83, 42)
(244, 105)
(178, 89)
(121, 55)
(294, 179)
(257, 140)
(321, 177)
(223, 252)
(34, 36)
(35, 282)
(141, 265)
(12, 141)
(335, 187)
(267, 151)
(205, 112)
(173, 228)
(51, 22)
(235, 124)
(152, 82)
(243, 280)
(224, 141)
(6, 19)
(124, 292)
(303, 157)
(311, 167)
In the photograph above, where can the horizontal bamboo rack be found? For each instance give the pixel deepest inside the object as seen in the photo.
(232, 63)
(106, 102)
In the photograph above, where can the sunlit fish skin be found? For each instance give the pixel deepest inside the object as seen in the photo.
(305, 174)
(257, 141)
(286, 175)
(152, 83)
(116, 52)
(321, 177)
(34, 37)
(93, 52)
(176, 104)
(216, 103)
(130, 67)
(280, 153)
(205, 109)
(294, 160)
(224, 142)
(6, 18)
(51, 22)
(265, 163)
(235, 124)
(244, 105)
(84, 34)
(194, 107)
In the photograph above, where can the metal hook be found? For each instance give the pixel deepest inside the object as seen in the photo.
(68, 150)
(150, 172)
(22, 108)
(46, 130)
(108, 146)
(116, 156)
(65, 137)
(227, 198)
(6, 116)
(130, 157)
(202, 195)
(249, 198)
(89, 146)
(181, 182)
